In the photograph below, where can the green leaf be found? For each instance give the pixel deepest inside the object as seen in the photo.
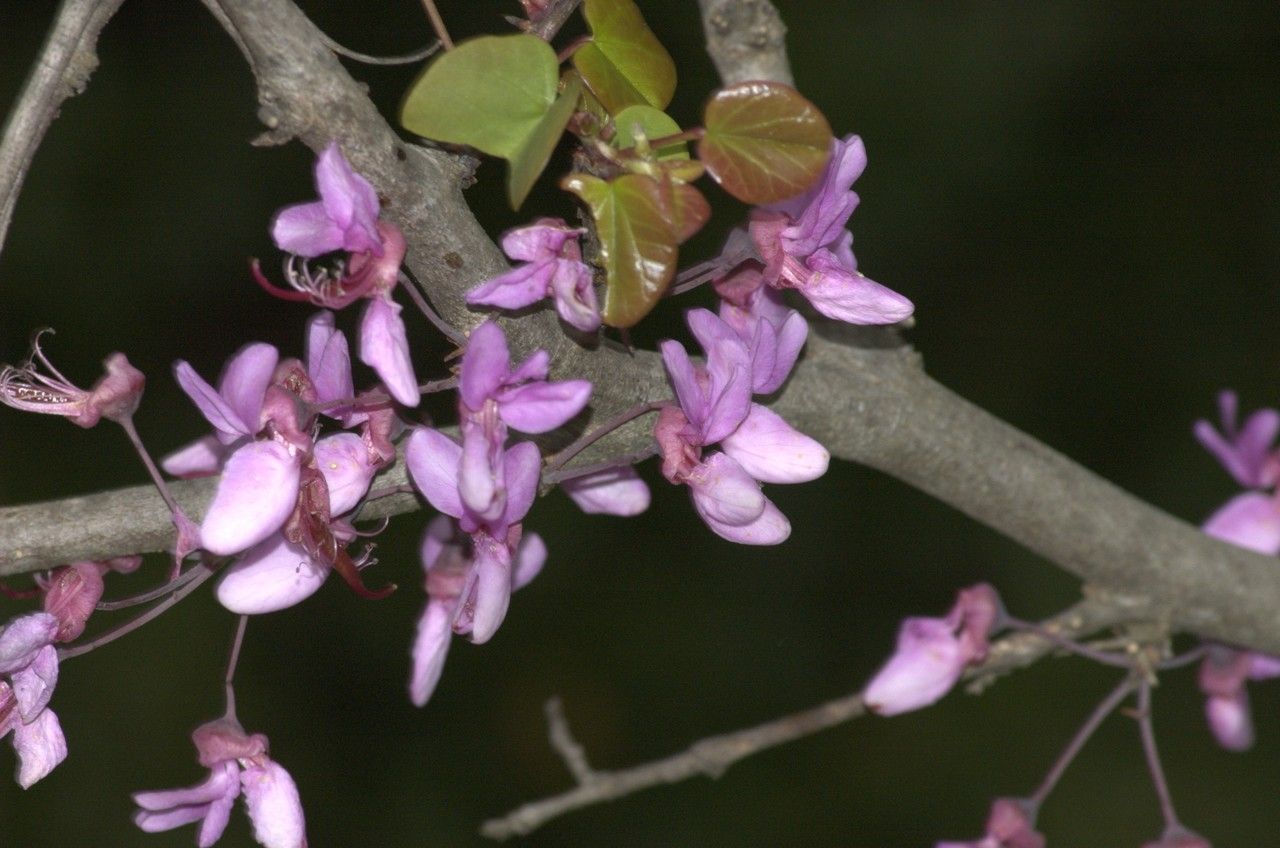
(624, 63)
(687, 209)
(491, 93)
(528, 162)
(764, 142)
(637, 241)
(651, 123)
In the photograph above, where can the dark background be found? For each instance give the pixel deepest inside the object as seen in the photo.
(1081, 198)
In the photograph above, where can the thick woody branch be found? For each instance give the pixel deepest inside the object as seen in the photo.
(746, 40)
(710, 757)
(66, 61)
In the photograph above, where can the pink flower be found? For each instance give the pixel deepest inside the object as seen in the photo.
(932, 653)
(1245, 452)
(36, 386)
(1011, 825)
(1223, 675)
(614, 491)
(345, 217)
(237, 762)
(553, 267)
(30, 663)
(805, 246)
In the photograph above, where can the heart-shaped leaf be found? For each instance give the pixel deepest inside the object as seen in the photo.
(624, 63)
(637, 241)
(490, 93)
(687, 210)
(528, 162)
(764, 142)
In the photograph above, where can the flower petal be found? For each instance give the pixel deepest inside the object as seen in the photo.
(724, 492)
(491, 594)
(539, 407)
(925, 665)
(433, 460)
(215, 786)
(522, 286)
(343, 459)
(384, 347)
(430, 648)
(212, 406)
(484, 365)
(33, 686)
(848, 296)
(614, 491)
(23, 637)
(274, 806)
(575, 296)
(349, 201)
(769, 450)
(40, 746)
(195, 459)
(540, 240)
(245, 379)
(531, 555)
(306, 229)
(328, 360)
(1230, 720)
(523, 470)
(1250, 520)
(255, 496)
(771, 527)
(272, 576)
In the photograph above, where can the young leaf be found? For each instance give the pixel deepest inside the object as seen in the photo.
(624, 63)
(490, 92)
(652, 123)
(637, 241)
(687, 209)
(527, 163)
(764, 142)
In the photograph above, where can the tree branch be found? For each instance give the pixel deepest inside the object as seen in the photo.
(746, 40)
(713, 755)
(66, 62)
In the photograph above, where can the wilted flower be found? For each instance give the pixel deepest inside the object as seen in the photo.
(553, 267)
(36, 386)
(1011, 825)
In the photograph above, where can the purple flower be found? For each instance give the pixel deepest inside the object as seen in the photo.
(345, 217)
(1246, 452)
(234, 409)
(30, 663)
(932, 653)
(553, 268)
(1223, 676)
(492, 396)
(772, 333)
(448, 557)
(70, 595)
(36, 386)
(436, 465)
(758, 446)
(805, 246)
(1250, 520)
(236, 762)
(1011, 825)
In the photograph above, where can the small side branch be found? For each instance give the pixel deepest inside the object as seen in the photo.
(66, 61)
(713, 755)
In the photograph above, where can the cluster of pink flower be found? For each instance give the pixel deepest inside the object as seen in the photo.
(288, 491)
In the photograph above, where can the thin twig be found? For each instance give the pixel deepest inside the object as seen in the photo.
(403, 59)
(410, 285)
(146, 597)
(228, 680)
(1082, 736)
(711, 756)
(588, 439)
(62, 71)
(569, 749)
(553, 18)
(437, 23)
(1152, 754)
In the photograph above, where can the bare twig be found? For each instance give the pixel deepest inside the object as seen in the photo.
(553, 18)
(403, 59)
(62, 71)
(713, 755)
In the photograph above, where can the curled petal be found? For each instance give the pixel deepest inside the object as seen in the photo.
(33, 686)
(23, 637)
(771, 527)
(343, 459)
(222, 777)
(491, 593)
(274, 806)
(531, 555)
(306, 229)
(40, 746)
(575, 296)
(384, 347)
(769, 450)
(684, 380)
(257, 492)
(273, 575)
(791, 338)
(349, 201)
(724, 492)
(433, 460)
(538, 407)
(1250, 520)
(481, 473)
(245, 379)
(523, 469)
(536, 367)
(328, 359)
(430, 648)
(225, 420)
(848, 296)
(540, 240)
(614, 491)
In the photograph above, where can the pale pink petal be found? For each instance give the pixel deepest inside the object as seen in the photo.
(724, 492)
(170, 817)
(349, 201)
(1230, 720)
(306, 229)
(196, 459)
(1263, 667)
(926, 664)
(212, 406)
(343, 459)
(614, 491)
(848, 296)
(33, 686)
(540, 240)
(245, 379)
(684, 380)
(539, 407)
(575, 296)
(536, 367)
(273, 575)
(328, 360)
(255, 496)
(433, 460)
(522, 471)
(481, 473)
(221, 777)
(769, 450)
(40, 746)
(384, 347)
(23, 637)
(219, 811)
(274, 806)
(531, 555)
(491, 594)
(1250, 520)
(770, 527)
(791, 338)
(430, 648)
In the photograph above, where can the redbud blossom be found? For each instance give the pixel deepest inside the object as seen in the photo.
(805, 246)
(30, 663)
(1245, 452)
(36, 386)
(553, 267)
(345, 217)
(236, 762)
(70, 596)
(614, 491)
(932, 653)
